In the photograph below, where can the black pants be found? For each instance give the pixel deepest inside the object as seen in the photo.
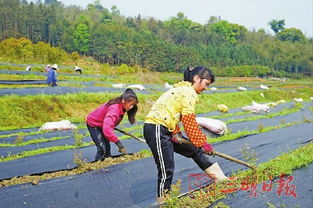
(102, 143)
(159, 140)
(79, 71)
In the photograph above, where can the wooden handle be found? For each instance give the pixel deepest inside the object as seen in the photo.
(128, 134)
(225, 156)
(234, 160)
(189, 142)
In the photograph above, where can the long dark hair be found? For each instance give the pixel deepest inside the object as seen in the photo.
(201, 71)
(128, 95)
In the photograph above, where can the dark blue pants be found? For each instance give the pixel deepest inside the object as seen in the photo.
(52, 84)
(158, 139)
(102, 144)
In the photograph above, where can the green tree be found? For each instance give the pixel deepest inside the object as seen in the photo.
(115, 11)
(180, 29)
(213, 20)
(277, 25)
(98, 5)
(291, 35)
(41, 50)
(230, 32)
(106, 16)
(91, 7)
(81, 38)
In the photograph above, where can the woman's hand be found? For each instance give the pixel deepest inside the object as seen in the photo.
(121, 147)
(207, 148)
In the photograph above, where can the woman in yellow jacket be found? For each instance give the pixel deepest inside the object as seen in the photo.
(161, 128)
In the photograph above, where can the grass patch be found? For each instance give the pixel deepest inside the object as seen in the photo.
(285, 163)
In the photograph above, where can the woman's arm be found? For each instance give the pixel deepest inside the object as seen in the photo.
(192, 130)
(108, 126)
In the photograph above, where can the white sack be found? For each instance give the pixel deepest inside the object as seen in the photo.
(168, 86)
(298, 99)
(119, 85)
(213, 125)
(242, 89)
(256, 107)
(263, 87)
(58, 125)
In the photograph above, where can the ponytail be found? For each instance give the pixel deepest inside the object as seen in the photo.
(201, 71)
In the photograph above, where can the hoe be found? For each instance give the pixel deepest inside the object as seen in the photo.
(189, 142)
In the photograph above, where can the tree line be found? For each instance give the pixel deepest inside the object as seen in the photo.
(170, 45)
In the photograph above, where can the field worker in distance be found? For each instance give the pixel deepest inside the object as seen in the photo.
(52, 76)
(78, 70)
(162, 133)
(28, 68)
(101, 122)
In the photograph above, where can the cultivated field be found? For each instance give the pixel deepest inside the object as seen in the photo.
(56, 168)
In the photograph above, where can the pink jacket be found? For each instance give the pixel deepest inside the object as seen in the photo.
(107, 117)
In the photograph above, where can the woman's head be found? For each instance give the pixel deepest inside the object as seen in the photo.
(200, 77)
(129, 101)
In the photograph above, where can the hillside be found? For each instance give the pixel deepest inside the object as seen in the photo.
(170, 45)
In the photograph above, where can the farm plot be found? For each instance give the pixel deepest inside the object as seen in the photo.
(58, 90)
(40, 162)
(68, 86)
(135, 182)
(64, 90)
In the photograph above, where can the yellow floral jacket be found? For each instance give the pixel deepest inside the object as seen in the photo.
(175, 105)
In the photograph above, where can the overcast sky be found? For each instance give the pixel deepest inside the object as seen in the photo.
(253, 14)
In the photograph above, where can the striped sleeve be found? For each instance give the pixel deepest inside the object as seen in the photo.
(193, 131)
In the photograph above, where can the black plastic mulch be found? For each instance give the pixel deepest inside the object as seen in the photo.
(60, 90)
(6, 151)
(68, 139)
(133, 184)
(64, 90)
(54, 161)
(42, 134)
(45, 73)
(15, 131)
(23, 82)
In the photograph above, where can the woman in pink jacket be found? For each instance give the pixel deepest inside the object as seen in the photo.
(101, 122)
